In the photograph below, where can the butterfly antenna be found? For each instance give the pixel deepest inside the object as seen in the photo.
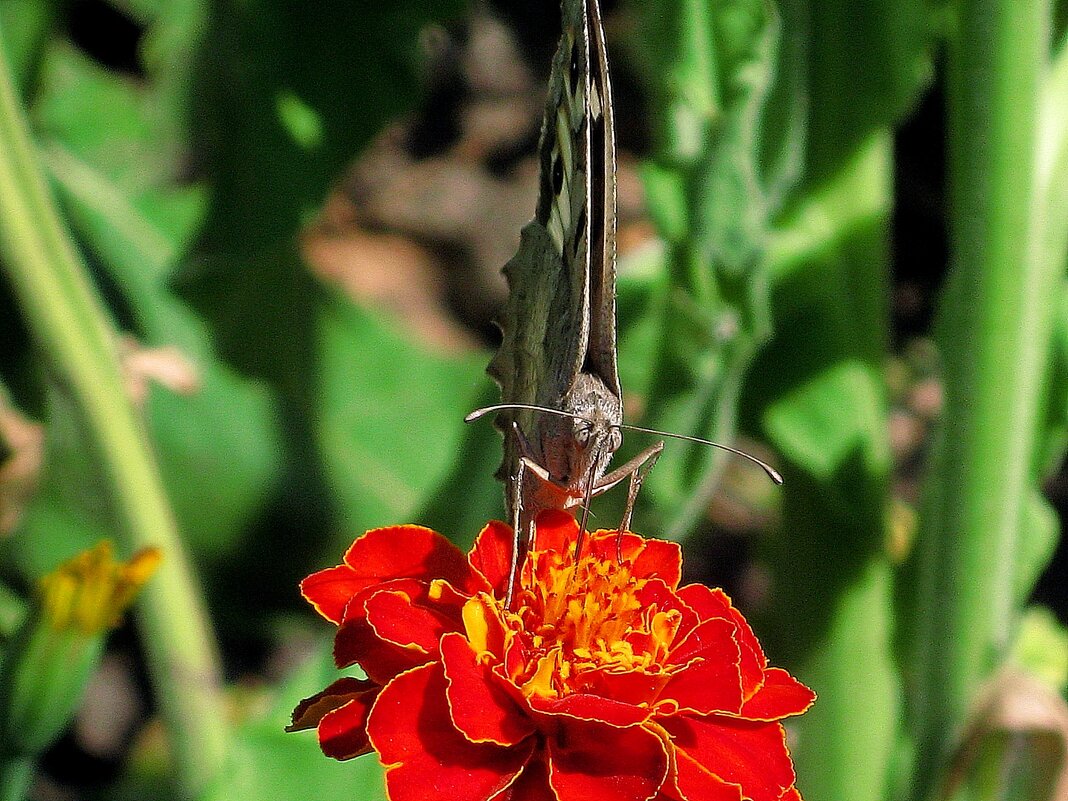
(500, 407)
(773, 474)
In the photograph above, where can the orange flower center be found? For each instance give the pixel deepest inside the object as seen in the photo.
(572, 619)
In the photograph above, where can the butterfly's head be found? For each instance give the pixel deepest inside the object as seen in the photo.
(590, 437)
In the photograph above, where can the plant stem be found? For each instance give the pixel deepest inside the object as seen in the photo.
(71, 324)
(16, 776)
(995, 336)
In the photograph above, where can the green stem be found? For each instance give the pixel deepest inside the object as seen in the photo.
(995, 337)
(16, 776)
(69, 321)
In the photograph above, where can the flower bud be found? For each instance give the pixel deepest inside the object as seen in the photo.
(47, 664)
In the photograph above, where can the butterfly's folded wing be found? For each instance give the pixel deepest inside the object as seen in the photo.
(560, 316)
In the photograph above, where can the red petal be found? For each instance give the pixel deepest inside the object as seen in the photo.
(781, 696)
(330, 590)
(383, 554)
(628, 687)
(397, 619)
(750, 754)
(702, 785)
(480, 704)
(593, 708)
(554, 531)
(492, 556)
(426, 758)
(716, 603)
(649, 558)
(532, 784)
(704, 638)
(357, 643)
(590, 762)
(791, 795)
(407, 552)
(711, 682)
(343, 731)
(311, 710)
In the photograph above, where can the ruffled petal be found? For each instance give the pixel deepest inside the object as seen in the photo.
(593, 708)
(491, 556)
(407, 552)
(750, 754)
(700, 784)
(628, 687)
(480, 704)
(311, 710)
(330, 590)
(382, 554)
(780, 696)
(589, 761)
(426, 758)
(716, 603)
(710, 682)
(397, 619)
(532, 784)
(650, 558)
(555, 530)
(356, 643)
(343, 731)
(704, 638)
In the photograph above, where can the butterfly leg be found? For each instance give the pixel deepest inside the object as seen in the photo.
(637, 468)
(522, 525)
(517, 538)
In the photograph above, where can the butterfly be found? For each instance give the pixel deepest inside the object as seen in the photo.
(561, 407)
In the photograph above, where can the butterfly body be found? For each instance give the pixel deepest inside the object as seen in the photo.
(557, 359)
(561, 409)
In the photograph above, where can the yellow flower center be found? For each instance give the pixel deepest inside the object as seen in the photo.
(574, 618)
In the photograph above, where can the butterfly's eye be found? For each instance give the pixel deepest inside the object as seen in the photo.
(583, 431)
(615, 439)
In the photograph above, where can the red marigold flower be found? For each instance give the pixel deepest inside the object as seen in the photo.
(604, 679)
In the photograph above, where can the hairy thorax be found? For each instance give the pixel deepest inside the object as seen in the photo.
(576, 452)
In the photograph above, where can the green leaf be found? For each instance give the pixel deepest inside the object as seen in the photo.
(708, 68)
(1041, 647)
(73, 509)
(25, 26)
(108, 120)
(865, 64)
(269, 764)
(285, 97)
(390, 421)
(220, 448)
(818, 394)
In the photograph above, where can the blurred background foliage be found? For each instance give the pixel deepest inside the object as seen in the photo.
(295, 215)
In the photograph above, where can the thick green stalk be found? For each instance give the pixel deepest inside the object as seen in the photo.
(71, 325)
(994, 338)
(830, 618)
(16, 776)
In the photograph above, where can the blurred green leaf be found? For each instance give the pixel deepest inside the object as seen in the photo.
(865, 63)
(269, 764)
(708, 70)
(391, 419)
(1041, 647)
(285, 96)
(821, 399)
(220, 447)
(26, 26)
(72, 509)
(108, 120)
